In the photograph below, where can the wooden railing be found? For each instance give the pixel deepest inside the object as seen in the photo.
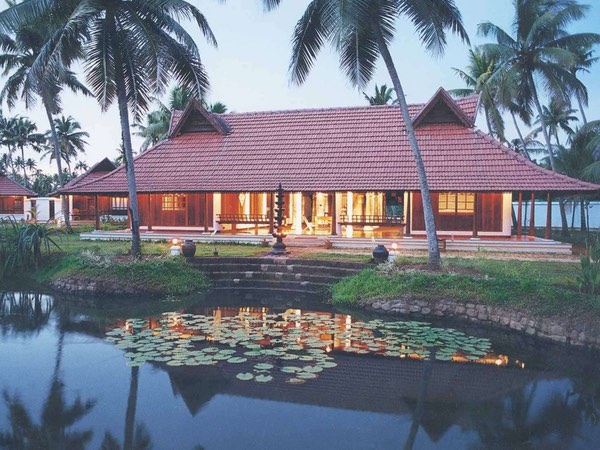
(244, 218)
(371, 220)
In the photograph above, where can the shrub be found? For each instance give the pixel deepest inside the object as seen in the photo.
(589, 278)
(22, 244)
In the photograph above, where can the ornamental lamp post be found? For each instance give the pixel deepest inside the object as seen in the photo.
(279, 247)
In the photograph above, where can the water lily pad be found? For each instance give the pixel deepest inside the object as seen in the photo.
(237, 360)
(263, 366)
(244, 376)
(263, 378)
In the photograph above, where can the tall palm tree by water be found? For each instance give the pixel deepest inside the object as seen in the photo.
(23, 41)
(133, 48)
(361, 31)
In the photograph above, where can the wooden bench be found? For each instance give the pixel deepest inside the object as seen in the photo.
(244, 219)
(374, 221)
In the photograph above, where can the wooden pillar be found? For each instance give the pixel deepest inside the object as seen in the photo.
(254, 209)
(206, 211)
(150, 212)
(97, 204)
(475, 214)
(408, 208)
(520, 216)
(548, 216)
(334, 218)
(532, 216)
(272, 212)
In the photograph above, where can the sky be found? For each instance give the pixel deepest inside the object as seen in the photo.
(249, 69)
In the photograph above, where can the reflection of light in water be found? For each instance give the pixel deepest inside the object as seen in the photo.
(334, 332)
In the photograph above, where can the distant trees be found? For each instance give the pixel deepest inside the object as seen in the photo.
(383, 96)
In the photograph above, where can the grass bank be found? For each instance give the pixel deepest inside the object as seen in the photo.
(540, 287)
(108, 262)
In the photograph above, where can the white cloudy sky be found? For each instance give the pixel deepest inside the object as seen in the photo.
(248, 70)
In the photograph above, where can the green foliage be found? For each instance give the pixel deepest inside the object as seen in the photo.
(22, 244)
(589, 279)
(540, 287)
(157, 276)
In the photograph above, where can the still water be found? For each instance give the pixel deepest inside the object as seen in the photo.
(231, 371)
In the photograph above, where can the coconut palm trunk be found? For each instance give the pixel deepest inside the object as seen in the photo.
(544, 126)
(57, 156)
(136, 246)
(561, 202)
(524, 146)
(432, 243)
(580, 103)
(25, 180)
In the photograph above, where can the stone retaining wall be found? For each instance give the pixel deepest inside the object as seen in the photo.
(80, 285)
(565, 330)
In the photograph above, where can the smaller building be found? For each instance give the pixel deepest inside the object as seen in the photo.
(14, 200)
(94, 208)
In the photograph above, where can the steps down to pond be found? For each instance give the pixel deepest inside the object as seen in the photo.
(281, 274)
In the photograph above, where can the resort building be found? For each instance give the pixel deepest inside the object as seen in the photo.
(345, 171)
(14, 200)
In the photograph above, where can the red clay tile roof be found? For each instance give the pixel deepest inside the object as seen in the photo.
(335, 149)
(98, 170)
(11, 187)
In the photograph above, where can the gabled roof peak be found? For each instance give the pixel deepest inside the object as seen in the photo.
(195, 118)
(440, 108)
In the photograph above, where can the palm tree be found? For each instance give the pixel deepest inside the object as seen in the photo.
(585, 60)
(158, 121)
(557, 116)
(539, 49)
(383, 96)
(133, 48)
(70, 138)
(217, 108)
(23, 43)
(476, 77)
(361, 31)
(22, 134)
(576, 159)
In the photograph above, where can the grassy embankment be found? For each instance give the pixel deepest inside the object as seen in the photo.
(541, 287)
(156, 272)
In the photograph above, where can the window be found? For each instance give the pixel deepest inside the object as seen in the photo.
(118, 203)
(174, 202)
(456, 203)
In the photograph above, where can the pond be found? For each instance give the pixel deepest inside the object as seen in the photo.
(232, 370)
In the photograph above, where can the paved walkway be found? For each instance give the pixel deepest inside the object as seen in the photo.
(306, 252)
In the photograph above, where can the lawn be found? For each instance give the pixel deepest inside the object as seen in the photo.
(541, 287)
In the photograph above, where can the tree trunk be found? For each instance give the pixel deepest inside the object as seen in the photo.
(136, 245)
(432, 243)
(538, 105)
(487, 122)
(563, 218)
(561, 202)
(524, 146)
(63, 198)
(580, 103)
(582, 209)
(24, 168)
